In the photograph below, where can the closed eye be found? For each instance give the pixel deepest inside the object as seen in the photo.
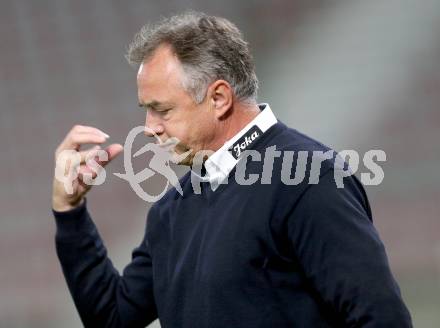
(158, 108)
(155, 109)
(163, 110)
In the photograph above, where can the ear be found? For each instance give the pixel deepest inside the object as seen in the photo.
(221, 97)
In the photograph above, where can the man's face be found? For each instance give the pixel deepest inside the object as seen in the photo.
(171, 111)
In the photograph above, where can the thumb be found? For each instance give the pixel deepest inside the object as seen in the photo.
(113, 150)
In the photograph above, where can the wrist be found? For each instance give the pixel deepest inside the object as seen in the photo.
(60, 206)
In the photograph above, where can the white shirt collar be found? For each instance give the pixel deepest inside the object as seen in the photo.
(222, 162)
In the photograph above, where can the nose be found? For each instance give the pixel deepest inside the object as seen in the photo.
(153, 124)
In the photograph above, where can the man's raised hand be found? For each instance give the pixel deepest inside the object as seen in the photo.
(76, 170)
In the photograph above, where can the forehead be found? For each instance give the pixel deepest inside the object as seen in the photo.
(161, 72)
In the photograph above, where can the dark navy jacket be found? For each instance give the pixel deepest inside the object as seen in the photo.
(264, 255)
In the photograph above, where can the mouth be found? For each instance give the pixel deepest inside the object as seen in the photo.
(168, 144)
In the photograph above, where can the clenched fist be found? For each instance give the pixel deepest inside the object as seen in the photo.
(77, 170)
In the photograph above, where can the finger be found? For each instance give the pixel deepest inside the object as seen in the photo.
(88, 174)
(75, 140)
(84, 187)
(86, 170)
(89, 153)
(88, 129)
(112, 151)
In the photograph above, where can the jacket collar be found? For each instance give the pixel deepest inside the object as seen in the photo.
(222, 162)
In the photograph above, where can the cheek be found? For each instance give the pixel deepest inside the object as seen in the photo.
(178, 130)
(193, 130)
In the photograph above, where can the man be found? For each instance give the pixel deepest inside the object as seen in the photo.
(232, 253)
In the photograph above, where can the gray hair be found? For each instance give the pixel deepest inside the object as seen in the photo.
(208, 47)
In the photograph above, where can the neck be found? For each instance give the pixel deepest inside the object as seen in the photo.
(240, 116)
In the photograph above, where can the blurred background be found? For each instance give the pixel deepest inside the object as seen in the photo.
(354, 74)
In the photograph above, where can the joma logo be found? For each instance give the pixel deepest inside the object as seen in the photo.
(244, 142)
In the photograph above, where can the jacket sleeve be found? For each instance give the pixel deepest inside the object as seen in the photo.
(343, 257)
(101, 295)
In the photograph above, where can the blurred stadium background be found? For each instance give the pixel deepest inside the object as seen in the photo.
(354, 74)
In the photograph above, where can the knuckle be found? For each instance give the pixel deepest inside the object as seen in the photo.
(77, 127)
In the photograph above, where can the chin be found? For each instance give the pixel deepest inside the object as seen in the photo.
(186, 162)
(178, 159)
